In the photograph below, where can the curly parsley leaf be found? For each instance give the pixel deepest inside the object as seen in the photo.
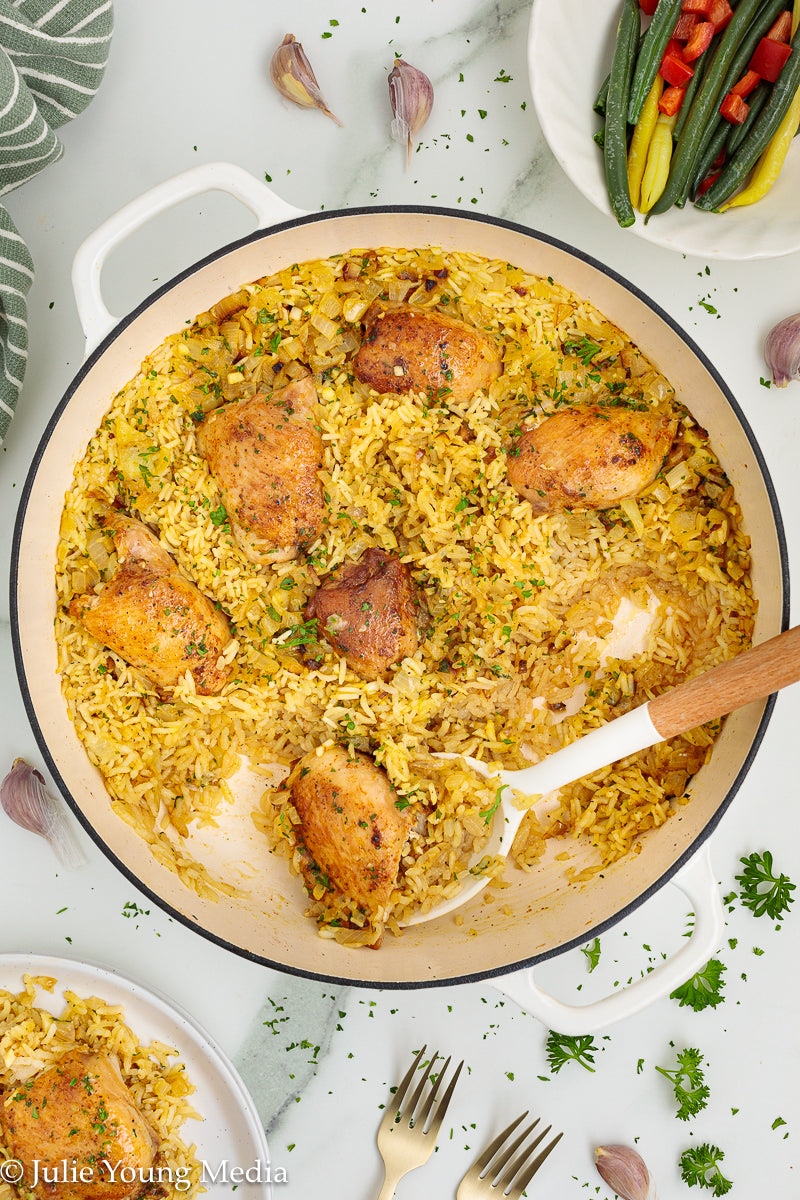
(592, 952)
(700, 1165)
(691, 1090)
(761, 889)
(704, 989)
(561, 1047)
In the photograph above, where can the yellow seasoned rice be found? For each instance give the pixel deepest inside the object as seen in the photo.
(32, 1038)
(517, 603)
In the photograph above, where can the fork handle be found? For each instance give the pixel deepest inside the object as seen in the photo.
(390, 1182)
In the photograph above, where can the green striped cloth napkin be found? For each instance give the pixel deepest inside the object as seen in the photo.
(52, 57)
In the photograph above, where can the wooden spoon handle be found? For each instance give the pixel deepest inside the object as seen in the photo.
(749, 676)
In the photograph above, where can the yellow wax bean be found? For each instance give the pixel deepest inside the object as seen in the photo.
(642, 133)
(659, 157)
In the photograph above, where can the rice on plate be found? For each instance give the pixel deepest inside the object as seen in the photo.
(35, 1044)
(520, 648)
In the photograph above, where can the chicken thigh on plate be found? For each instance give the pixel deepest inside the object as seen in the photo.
(589, 457)
(79, 1111)
(369, 611)
(153, 616)
(265, 454)
(407, 349)
(350, 824)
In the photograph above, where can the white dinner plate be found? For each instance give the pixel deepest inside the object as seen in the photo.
(570, 45)
(230, 1134)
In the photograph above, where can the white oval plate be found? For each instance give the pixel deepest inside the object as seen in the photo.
(570, 45)
(230, 1131)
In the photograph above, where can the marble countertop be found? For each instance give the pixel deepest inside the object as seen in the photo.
(188, 83)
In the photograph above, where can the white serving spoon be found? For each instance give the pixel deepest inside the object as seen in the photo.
(749, 676)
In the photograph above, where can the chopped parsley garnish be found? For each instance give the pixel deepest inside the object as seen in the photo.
(561, 1047)
(218, 515)
(691, 1090)
(761, 889)
(584, 349)
(700, 1166)
(592, 952)
(704, 989)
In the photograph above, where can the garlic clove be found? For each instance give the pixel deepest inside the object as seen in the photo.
(782, 350)
(411, 96)
(624, 1170)
(25, 799)
(292, 75)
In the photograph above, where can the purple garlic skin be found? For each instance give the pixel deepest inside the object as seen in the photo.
(624, 1170)
(782, 350)
(411, 96)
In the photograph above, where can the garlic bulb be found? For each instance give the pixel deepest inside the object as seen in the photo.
(624, 1170)
(411, 95)
(292, 75)
(25, 799)
(782, 350)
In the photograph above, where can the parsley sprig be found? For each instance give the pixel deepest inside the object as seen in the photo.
(688, 1082)
(761, 889)
(561, 1047)
(700, 1165)
(704, 989)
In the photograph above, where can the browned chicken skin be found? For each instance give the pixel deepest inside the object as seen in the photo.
(265, 454)
(369, 611)
(589, 457)
(407, 349)
(79, 1110)
(350, 824)
(151, 615)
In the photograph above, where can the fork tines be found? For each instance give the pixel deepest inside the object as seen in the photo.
(409, 1111)
(501, 1167)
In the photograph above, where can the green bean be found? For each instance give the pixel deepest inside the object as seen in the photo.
(649, 59)
(716, 145)
(705, 101)
(601, 98)
(739, 167)
(615, 146)
(757, 99)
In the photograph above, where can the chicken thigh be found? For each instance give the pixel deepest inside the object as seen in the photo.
(76, 1114)
(350, 824)
(369, 612)
(155, 618)
(265, 453)
(408, 349)
(589, 457)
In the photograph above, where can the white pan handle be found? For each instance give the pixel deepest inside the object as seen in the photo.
(697, 881)
(268, 208)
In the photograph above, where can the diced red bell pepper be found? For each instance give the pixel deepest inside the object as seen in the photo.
(699, 41)
(720, 14)
(707, 182)
(675, 71)
(703, 7)
(781, 31)
(685, 24)
(671, 100)
(734, 108)
(648, 7)
(673, 48)
(770, 58)
(744, 87)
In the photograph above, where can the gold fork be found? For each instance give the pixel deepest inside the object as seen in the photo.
(403, 1139)
(486, 1179)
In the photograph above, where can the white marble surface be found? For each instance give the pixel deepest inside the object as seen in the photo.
(188, 83)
